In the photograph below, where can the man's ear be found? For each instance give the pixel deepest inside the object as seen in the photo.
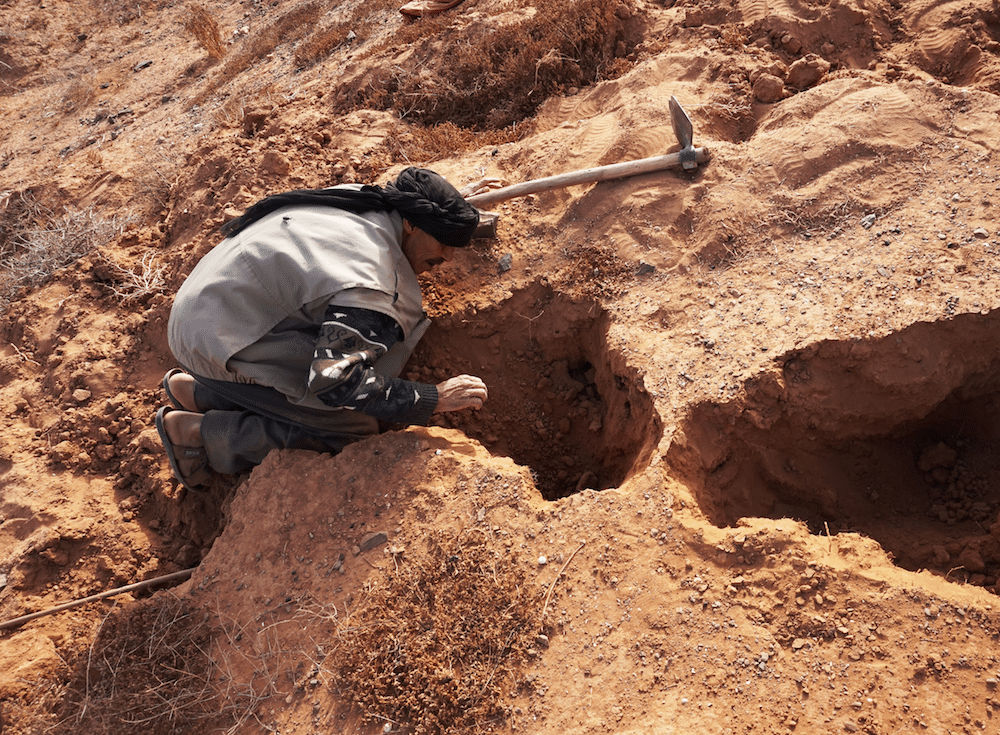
(407, 227)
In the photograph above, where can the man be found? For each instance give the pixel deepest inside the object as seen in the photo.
(293, 330)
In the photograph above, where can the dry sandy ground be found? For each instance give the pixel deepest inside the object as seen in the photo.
(746, 414)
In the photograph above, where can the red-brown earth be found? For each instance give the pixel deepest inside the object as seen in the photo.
(738, 472)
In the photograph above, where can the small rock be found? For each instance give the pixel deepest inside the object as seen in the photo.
(867, 221)
(791, 44)
(371, 540)
(971, 559)
(81, 395)
(148, 441)
(505, 262)
(542, 560)
(275, 163)
(798, 643)
(644, 269)
(981, 232)
(63, 451)
(542, 641)
(807, 71)
(142, 65)
(768, 88)
(991, 682)
(3, 581)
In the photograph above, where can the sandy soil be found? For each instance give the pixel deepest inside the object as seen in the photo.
(738, 470)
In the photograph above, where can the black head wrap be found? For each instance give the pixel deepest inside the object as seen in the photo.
(430, 203)
(421, 196)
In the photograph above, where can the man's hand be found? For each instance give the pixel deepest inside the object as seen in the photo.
(462, 391)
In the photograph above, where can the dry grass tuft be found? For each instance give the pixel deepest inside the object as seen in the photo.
(419, 144)
(491, 76)
(323, 42)
(438, 642)
(35, 241)
(203, 26)
(148, 670)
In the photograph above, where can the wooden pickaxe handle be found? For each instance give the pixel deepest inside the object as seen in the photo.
(587, 176)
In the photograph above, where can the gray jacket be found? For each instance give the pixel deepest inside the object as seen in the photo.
(250, 308)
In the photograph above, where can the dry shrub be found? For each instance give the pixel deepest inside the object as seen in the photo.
(148, 670)
(35, 241)
(480, 75)
(287, 28)
(418, 144)
(321, 43)
(440, 640)
(135, 283)
(203, 26)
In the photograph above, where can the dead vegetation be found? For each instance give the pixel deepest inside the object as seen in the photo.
(136, 283)
(202, 25)
(148, 668)
(437, 644)
(35, 241)
(491, 76)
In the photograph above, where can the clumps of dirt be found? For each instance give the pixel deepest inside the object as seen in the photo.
(490, 75)
(147, 669)
(561, 401)
(438, 643)
(957, 490)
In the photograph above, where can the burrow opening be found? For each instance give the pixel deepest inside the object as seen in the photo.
(562, 402)
(895, 438)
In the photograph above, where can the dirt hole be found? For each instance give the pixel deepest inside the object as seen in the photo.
(562, 402)
(896, 439)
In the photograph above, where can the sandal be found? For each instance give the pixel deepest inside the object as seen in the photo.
(189, 464)
(418, 8)
(166, 387)
(174, 401)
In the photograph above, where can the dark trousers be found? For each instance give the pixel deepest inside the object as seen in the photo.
(243, 422)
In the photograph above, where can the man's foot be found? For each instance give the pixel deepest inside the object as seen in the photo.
(179, 387)
(180, 432)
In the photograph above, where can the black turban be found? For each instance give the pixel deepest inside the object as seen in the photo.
(421, 196)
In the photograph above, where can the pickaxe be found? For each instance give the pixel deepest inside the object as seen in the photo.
(688, 157)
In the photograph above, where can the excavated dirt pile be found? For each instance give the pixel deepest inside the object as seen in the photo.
(737, 472)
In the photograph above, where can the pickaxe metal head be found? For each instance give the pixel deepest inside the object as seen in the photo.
(684, 131)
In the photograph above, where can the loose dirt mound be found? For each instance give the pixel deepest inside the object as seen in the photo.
(738, 465)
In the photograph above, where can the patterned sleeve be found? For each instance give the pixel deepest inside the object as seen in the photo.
(342, 374)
